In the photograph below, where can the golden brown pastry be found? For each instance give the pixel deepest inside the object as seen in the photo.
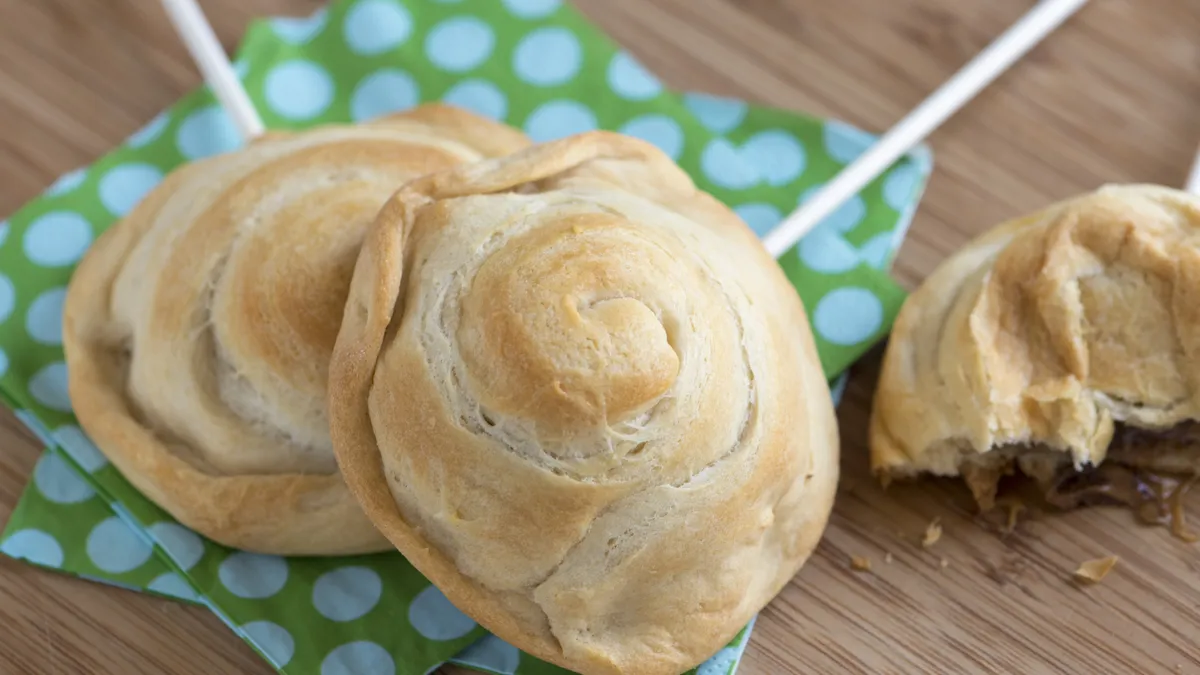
(581, 398)
(198, 329)
(1050, 345)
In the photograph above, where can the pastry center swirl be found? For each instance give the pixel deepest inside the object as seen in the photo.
(563, 327)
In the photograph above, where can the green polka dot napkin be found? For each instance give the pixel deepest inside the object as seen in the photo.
(536, 64)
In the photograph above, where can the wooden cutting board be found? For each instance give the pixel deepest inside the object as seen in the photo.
(1114, 96)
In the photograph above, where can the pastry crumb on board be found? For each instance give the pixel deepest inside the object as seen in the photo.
(860, 564)
(1094, 571)
(933, 532)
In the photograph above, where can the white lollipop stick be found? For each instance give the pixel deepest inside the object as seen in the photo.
(1193, 180)
(918, 124)
(198, 35)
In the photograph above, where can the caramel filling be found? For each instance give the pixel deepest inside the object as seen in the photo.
(1148, 471)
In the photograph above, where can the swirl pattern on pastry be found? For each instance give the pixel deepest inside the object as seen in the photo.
(198, 329)
(580, 397)
(1037, 341)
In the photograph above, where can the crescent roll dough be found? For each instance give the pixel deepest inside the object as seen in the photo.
(581, 398)
(1050, 345)
(198, 329)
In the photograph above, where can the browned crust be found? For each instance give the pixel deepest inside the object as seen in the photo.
(1046, 331)
(286, 514)
(375, 296)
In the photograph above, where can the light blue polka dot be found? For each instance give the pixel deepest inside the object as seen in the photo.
(558, 119)
(720, 663)
(112, 582)
(532, 9)
(719, 114)
(241, 68)
(844, 142)
(48, 386)
(115, 548)
(298, 90)
(839, 389)
(43, 319)
(630, 80)
(460, 44)
(845, 218)
(273, 640)
(548, 56)
(358, 658)
(147, 134)
(825, 251)
(347, 593)
(776, 154)
(184, 546)
(3, 231)
(723, 165)
(253, 576)
(877, 250)
(81, 449)
(67, 182)
(127, 517)
(35, 546)
(3, 362)
(58, 482)
(173, 585)
(922, 158)
(207, 131)
(660, 130)
(124, 186)
(761, 217)
(8, 297)
(899, 185)
(848, 316)
(492, 655)
(32, 423)
(480, 97)
(383, 92)
(376, 26)
(57, 238)
(299, 30)
(435, 618)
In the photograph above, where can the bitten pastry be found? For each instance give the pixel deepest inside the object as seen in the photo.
(1065, 345)
(580, 397)
(198, 329)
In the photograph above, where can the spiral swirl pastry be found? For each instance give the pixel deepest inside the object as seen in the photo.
(1050, 345)
(582, 399)
(198, 329)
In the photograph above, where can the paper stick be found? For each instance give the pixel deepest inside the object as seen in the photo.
(918, 124)
(214, 65)
(1193, 180)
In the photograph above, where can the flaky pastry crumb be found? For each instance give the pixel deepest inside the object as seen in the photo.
(932, 533)
(1094, 571)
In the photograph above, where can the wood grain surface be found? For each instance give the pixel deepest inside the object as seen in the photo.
(1113, 96)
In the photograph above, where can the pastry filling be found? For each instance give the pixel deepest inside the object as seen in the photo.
(1147, 470)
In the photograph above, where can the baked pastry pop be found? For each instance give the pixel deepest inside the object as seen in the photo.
(198, 329)
(578, 395)
(1064, 345)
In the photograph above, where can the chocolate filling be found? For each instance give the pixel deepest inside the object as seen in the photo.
(1147, 470)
